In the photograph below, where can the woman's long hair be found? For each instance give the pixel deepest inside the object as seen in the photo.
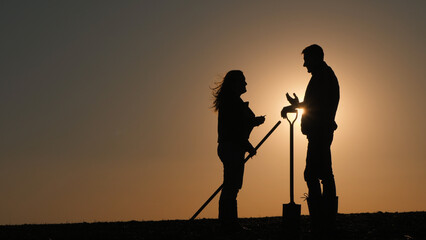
(223, 89)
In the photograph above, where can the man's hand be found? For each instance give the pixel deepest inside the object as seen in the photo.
(287, 110)
(259, 120)
(293, 101)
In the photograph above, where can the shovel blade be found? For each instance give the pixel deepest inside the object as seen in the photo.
(291, 219)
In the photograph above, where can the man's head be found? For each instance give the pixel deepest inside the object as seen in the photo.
(313, 57)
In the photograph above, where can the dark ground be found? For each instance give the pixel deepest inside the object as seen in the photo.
(386, 226)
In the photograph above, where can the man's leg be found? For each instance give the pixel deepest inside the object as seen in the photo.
(314, 205)
(326, 171)
(314, 196)
(330, 200)
(312, 167)
(329, 206)
(329, 187)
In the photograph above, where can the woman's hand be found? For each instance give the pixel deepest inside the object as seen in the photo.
(252, 151)
(259, 120)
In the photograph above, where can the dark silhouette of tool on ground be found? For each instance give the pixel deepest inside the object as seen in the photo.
(245, 160)
(291, 211)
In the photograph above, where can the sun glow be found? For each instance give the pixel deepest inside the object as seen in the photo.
(299, 114)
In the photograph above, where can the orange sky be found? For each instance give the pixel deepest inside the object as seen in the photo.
(106, 106)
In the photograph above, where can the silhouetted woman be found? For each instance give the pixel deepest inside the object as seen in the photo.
(235, 123)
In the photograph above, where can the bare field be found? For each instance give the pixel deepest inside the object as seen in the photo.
(377, 226)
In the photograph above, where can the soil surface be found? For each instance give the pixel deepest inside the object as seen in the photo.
(377, 226)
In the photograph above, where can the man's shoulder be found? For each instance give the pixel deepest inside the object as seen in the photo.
(330, 70)
(328, 74)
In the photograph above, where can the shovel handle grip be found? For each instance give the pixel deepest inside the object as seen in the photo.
(289, 109)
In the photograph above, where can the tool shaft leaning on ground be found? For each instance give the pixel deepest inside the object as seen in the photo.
(245, 160)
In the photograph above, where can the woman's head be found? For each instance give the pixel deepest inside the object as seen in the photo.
(236, 82)
(233, 84)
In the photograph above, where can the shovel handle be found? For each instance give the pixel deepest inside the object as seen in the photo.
(263, 140)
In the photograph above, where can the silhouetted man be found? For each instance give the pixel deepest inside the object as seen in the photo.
(320, 105)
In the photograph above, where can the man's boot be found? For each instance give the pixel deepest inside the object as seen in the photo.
(315, 213)
(330, 212)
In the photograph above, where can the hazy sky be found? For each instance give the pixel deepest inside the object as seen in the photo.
(105, 105)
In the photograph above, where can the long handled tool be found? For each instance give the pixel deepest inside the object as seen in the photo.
(245, 160)
(291, 211)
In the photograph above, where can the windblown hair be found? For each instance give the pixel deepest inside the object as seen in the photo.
(223, 89)
(314, 51)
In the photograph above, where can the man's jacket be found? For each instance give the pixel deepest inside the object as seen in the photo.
(320, 103)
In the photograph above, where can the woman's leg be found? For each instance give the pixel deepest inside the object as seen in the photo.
(233, 171)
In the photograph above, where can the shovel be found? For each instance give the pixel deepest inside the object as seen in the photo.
(291, 211)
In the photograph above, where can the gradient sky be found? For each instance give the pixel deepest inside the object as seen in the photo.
(105, 105)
